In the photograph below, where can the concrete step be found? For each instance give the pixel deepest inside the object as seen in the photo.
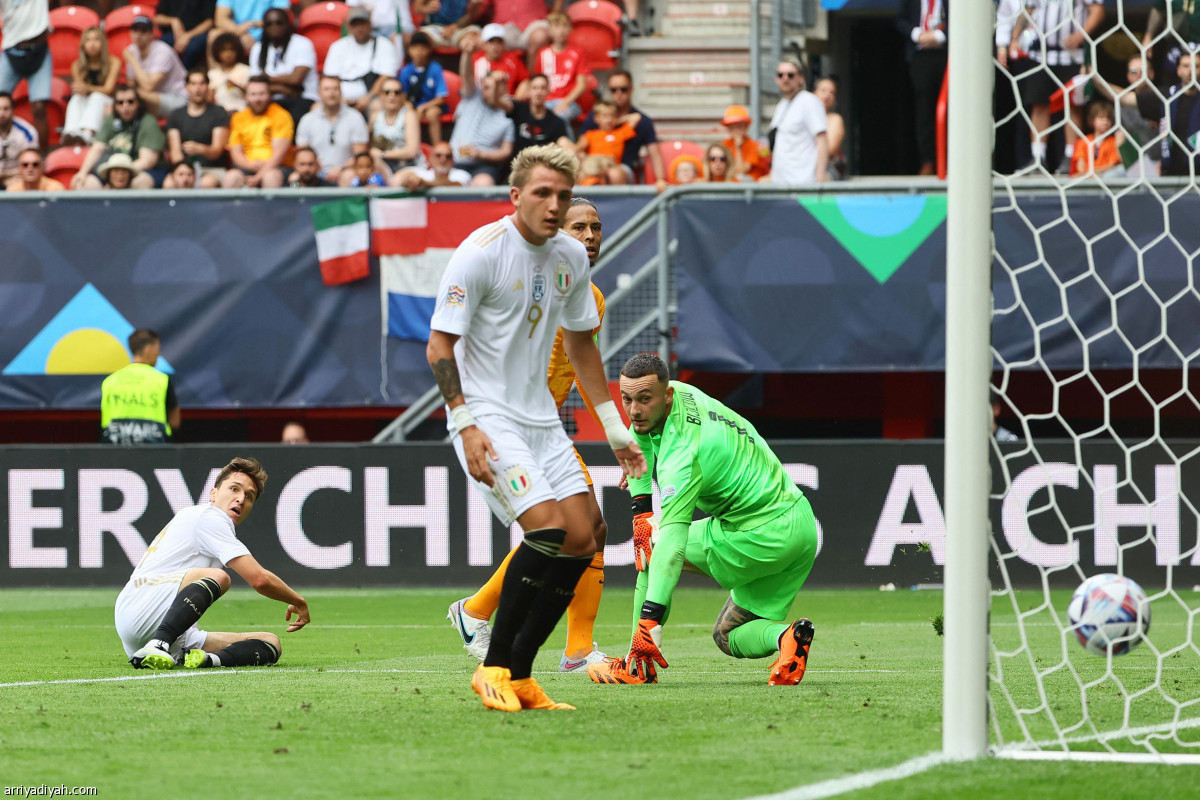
(707, 25)
(696, 69)
(729, 8)
(687, 96)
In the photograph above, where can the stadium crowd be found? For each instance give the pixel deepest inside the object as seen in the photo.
(249, 92)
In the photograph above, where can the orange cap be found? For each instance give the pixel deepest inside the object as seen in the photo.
(735, 114)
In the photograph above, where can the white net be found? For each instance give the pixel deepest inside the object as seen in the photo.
(1096, 323)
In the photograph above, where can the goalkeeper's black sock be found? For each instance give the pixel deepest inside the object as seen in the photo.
(188, 606)
(247, 653)
(522, 582)
(548, 608)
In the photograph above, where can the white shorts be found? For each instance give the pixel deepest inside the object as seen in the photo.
(535, 464)
(141, 606)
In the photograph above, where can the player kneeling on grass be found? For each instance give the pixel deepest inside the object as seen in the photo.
(759, 540)
(181, 575)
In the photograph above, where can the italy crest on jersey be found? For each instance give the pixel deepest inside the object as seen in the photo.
(562, 278)
(518, 480)
(539, 288)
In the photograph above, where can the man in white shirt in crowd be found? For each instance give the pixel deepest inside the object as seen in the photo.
(799, 150)
(182, 574)
(336, 131)
(362, 60)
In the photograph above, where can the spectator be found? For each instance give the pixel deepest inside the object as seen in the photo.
(1185, 22)
(747, 156)
(336, 131)
(1097, 154)
(128, 130)
(566, 66)
(835, 128)
(228, 77)
(389, 17)
(16, 135)
(922, 23)
(93, 77)
(1180, 116)
(137, 402)
(441, 171)
(395, 130)
(155, 69)
(25, 57)
(294, 433)
(181, 176)
(362, 60)
(185, 25)
(449, 22)
(620, 90)
(30, 177)
(306, 170)
(524, 23)
(363, 173)
(245, 18)
(199, 133)
(718, 164)
(289, 60)
(482, 141)
(492, 57)
(425, 84)
(1062, 31)
(260, 137)
(685, 169)
(1133, 103)
(533, 124)
(118, 172)
(602, 147)
(799, 145)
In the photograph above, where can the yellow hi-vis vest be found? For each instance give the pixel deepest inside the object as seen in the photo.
(133, 406)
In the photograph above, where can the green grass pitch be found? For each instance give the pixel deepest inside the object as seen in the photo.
(373, 700)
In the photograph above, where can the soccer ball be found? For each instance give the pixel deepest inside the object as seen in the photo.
(1109, 613)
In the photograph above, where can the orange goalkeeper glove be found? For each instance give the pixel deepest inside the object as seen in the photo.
(644, 652)
(644, 530)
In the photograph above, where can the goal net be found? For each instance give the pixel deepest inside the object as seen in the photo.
(1095, 326)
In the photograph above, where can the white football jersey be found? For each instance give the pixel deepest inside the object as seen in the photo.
(199, 536)
(506, 299)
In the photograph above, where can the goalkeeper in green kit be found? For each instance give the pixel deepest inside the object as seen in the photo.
(759, 540)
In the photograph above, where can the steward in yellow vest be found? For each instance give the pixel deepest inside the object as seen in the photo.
(137, 403)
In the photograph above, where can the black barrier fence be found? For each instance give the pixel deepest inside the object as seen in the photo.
(356, 515)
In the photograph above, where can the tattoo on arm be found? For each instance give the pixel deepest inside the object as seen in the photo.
(445, 372)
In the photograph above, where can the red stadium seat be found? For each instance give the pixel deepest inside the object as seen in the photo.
(63, 162)
(67, 24)
(322, 23)
(670, 151)
(453, 94)
(56, 107)
(116, 26)
(587, 99)
(600, 43)
(598, 11)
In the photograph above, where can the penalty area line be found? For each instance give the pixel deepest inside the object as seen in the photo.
(863, 780)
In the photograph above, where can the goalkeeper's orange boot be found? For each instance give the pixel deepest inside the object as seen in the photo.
(532, 696)
(789, 668)
(613, 670)
(494, 687)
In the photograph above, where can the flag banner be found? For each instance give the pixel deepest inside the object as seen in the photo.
(343, 239)
(414, 239)
(1072, 92)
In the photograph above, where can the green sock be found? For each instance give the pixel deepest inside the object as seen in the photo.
(756, 638)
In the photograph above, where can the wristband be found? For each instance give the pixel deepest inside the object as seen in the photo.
(653, 611)
(608, 415)
(642, 505)
(462, 417)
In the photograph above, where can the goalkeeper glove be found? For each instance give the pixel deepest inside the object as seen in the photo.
(644, 652)
(644, 531)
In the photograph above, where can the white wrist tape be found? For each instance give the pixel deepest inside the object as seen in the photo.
(614, 428)
(462, 417)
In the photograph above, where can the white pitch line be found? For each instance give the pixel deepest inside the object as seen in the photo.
(863, 780)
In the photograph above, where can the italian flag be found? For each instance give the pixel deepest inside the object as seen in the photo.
(414, 240)
(1073, 92)
(343, 238)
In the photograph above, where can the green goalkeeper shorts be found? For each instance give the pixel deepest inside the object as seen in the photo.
(764, 568)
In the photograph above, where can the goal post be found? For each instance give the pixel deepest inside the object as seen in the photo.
(968, 378)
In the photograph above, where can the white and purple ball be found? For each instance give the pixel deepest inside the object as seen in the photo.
(1109, 613)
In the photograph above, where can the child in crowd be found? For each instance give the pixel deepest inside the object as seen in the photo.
(229, 73)
(684, 169)
(1097, 153)
(364, 172)
(425, 84)
(601, 149)
(94, 75)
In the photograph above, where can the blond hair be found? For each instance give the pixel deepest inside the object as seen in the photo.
(550, 156)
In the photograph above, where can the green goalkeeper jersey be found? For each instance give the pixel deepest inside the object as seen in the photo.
(709, 457)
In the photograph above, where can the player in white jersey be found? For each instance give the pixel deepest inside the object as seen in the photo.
(505, 293)
(181, 575)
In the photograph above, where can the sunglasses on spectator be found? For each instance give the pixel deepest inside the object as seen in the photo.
(443, 155)
(618, 88)
(1133, 71)
(786, 74)
(717, 158)
(126, 102)
(271, 23)
(392, 91)
(30, 164)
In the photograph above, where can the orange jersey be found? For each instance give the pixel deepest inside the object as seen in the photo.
(561, 375)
